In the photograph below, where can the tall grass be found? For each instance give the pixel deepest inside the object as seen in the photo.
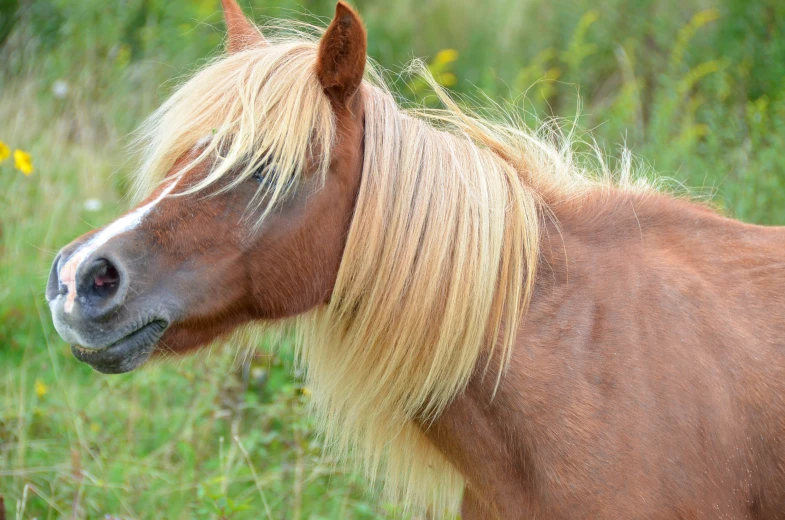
(695, 88)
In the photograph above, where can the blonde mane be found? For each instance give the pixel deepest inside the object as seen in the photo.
(440, 259)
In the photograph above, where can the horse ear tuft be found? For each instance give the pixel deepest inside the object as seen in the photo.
(341, 61)
(241, 33)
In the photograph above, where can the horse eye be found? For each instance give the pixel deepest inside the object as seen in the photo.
(267, 174)
(262, 171)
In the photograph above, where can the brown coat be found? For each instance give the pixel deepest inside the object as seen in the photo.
(649, 378)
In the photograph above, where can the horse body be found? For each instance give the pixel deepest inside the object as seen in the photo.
(644, 379)
(649, 377)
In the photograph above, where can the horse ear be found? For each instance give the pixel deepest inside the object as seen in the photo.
(241, 33)
(341, 59)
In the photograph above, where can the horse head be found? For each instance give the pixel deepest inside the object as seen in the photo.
(252, 196)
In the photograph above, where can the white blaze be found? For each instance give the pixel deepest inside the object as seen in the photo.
(125, 223)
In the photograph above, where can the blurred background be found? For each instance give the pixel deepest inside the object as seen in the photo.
(695, 87)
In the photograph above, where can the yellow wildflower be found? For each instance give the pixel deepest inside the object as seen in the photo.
(447, 79)
(5, 152)
(446, 56)
(40, 388)
(23, 162)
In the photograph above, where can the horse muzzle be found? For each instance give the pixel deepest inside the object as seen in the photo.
(125, 354)
(88, 298)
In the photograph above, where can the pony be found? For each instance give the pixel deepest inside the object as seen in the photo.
(486, 325)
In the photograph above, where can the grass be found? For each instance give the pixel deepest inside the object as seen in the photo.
(696, 90)
(187, 441)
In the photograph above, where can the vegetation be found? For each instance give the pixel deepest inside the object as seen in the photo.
(695, 88)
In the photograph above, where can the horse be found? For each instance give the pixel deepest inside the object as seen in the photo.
(486, 325)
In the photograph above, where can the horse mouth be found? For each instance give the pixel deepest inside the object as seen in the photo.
(125, 354)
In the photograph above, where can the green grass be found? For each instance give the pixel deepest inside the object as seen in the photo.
(190, 440)
(696, 90)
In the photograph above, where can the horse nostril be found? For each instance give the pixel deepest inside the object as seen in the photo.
(105, 278)
(54, 287)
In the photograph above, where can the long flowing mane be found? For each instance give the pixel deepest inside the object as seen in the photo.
(440, 259)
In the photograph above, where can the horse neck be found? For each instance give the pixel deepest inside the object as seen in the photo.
(605, 242)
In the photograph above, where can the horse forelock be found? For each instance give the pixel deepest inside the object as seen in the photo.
(252, 108)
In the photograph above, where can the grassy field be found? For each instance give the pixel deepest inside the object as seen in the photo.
(695, 88)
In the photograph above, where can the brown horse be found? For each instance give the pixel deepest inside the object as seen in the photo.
(477, 313)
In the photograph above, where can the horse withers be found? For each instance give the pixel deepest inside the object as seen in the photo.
(478, 315)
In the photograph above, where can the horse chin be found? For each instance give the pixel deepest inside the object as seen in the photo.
(125, 354)
(186, 337)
